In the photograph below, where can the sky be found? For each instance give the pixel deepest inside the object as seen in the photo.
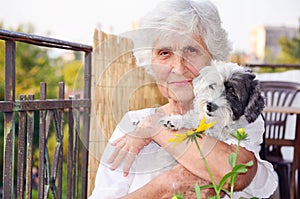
(75, 21)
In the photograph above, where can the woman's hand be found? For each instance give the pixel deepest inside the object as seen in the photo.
(126, 148)
(129, 145)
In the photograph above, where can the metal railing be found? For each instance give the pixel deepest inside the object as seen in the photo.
(274, 66)
(52, 114)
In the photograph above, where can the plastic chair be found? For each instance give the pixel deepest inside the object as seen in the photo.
(279, 94)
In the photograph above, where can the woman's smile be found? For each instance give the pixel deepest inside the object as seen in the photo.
(180, 83)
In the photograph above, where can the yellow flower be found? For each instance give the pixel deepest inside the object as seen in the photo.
(204, 126)
(192, 134)
(180, 137)
(241, 131)
(240, 134)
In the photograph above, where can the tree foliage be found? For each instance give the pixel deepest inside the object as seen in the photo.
(290, 52)
(290, 49)
(34, 65)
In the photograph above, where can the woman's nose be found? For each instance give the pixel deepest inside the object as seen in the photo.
(178, 64)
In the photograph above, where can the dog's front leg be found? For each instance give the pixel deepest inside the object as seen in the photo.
(190, 120)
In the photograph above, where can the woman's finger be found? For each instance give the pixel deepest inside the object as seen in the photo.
(128, 163)
(117, 161)
(118, 147)
(113, 156)
(114, 143)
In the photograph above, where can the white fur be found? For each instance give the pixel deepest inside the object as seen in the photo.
(210, 76)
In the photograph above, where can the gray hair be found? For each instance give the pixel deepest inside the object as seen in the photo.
(184, 17)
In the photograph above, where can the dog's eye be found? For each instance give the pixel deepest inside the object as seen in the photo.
(231, 91)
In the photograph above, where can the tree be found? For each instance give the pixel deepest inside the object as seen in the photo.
(33, 66)
(290, 49)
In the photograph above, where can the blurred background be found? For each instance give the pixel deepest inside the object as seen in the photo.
(254, 26)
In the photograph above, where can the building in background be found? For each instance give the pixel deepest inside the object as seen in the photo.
(264, 41)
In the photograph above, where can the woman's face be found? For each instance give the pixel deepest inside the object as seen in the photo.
(175, 63)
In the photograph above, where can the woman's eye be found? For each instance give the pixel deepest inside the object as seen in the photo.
(192, 49)
(189, 51)
(164, 53)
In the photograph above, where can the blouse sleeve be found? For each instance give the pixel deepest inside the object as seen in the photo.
(265, 180)
(112, 184)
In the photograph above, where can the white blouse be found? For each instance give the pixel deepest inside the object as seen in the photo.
(154, 160)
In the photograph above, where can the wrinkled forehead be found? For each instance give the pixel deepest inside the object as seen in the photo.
(177, 41)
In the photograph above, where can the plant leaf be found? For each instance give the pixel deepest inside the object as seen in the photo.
(198, 191)
(225, 178)
(240, 168)
(208, 186)
(249, 164)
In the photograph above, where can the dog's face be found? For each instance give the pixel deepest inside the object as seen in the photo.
(226, 91)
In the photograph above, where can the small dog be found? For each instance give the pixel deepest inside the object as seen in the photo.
(226, 93)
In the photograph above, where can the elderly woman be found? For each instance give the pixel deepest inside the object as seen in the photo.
(176, 40)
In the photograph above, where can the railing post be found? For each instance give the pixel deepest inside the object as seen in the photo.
(61, 96)
(29, 151)
(70, 180)
(21, 152)
(9, 121)
(42, 144)
(86, 123)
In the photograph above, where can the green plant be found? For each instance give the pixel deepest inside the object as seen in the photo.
(191, 136)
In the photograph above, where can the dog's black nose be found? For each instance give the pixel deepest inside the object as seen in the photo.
(211, 107)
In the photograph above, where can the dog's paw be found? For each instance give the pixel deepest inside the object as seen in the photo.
(169, 125)
(172, 122)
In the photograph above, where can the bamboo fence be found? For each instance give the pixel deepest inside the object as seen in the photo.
(118, 86)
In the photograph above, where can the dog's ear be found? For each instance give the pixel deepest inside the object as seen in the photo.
(256, 103)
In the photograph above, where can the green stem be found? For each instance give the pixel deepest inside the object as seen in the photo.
(208, 169)
(236, 152)
(232, 181)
